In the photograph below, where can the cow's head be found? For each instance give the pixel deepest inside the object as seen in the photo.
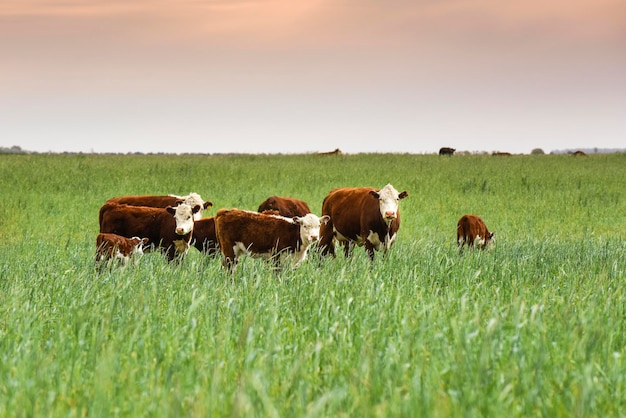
(138, 244)
(310, 227)
(184, 216)
(388, 198)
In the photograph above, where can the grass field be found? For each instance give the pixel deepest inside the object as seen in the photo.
(535, 327)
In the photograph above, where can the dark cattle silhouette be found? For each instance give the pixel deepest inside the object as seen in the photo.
(446, 151)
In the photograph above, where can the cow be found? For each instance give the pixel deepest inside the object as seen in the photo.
(163, 201)
(336, 151)
(579, 153)
(472, 231)
(269, 236)
(204, 237)
(501, 154)
(168, 228)
(361, 216)
(118, 248)
(286, 206)
(446, 151)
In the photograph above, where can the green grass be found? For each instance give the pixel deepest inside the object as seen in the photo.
(535, 327)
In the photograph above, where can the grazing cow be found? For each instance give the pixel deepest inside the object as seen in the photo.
(472, 231)
(265, 235)
(579, 153)
(286, 206)
(361, 216)
(501, 154)
(336, 151)
(446, 151)
(163, 201)
(167, 228)
(204, 236)
(119, 248)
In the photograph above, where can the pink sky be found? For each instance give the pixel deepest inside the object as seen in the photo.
(312, 75)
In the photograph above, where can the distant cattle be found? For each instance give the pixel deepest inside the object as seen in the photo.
(204, 237)
(361, 216)
(336, 151)
(446, 151)
(118, 248)
(264, 235)
(472, 231)
(579, 153)
(286, 206)
(166, 228)
(501, 154)
(163, 201)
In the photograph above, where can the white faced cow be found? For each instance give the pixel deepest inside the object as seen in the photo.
(265, 235)
(170, 228)
(361, 216)
(163, 201)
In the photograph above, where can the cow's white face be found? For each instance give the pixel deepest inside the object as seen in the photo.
(183, 215)
(138, 244)
(310, 227)
(388, 198)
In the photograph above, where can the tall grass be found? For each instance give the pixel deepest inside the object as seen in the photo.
(533, 328)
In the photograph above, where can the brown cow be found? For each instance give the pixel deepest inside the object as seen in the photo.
(163, 201)
(501, 154)
(472, 231)
(361, 216)
(272, 237)
(118, 248)
(204, 236)
(166, 228)
(579, 153)
(286, 206)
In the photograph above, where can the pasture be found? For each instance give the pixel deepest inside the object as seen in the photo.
(535, 327)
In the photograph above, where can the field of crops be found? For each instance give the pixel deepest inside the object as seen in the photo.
(535, 327)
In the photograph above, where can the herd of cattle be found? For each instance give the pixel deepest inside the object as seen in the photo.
(282, 227)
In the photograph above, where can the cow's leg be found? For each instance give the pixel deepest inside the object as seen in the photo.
(369, 248)
(326, 239)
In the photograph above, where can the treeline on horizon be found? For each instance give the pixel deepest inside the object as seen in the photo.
(16, 149)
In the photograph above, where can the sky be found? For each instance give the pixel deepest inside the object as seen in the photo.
(287, 76)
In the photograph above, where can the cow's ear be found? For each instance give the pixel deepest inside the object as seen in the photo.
(375, 194)
(208, 204)
(324, 219)
(403, 195)
(171, 210)
(196, 209)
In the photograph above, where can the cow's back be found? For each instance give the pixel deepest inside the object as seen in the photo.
(258, 232)
(348, 208)
(286, 206)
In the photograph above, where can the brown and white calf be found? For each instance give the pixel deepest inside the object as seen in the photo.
(118, 248)
(163, 201)
(286, 206)
(168, 228)
(472, 231)
(361, 216)
(265, 235)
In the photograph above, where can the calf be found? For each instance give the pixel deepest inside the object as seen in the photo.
(116, 247)
(166, 228)
(472, 231)
(163, 201)
(204, 236)
(361, 216)
(286, 206)
(269, 236)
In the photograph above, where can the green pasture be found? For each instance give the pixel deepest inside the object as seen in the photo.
(535, 327)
